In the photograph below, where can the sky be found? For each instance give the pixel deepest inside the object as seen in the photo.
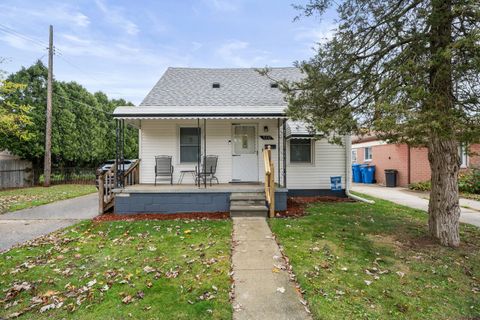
(123, 47)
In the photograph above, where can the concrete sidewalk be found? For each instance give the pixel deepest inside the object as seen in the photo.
(263, 289)
(19, 226)
(470, 209)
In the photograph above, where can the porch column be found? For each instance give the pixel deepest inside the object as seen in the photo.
(119, 154)
(284, 129)
(199, 152)
(279, 177)
(205, 151)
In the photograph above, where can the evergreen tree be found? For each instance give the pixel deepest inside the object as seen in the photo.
(407, 70)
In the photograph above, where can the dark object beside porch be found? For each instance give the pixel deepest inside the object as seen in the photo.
(163, 168)
(391, 178)
(207, 169)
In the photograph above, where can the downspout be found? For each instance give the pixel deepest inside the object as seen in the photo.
(348, 180)
(409, 169)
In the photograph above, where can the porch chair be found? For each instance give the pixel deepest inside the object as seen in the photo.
(163, 168)
(207, 170)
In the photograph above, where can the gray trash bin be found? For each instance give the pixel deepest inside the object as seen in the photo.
(391, 178)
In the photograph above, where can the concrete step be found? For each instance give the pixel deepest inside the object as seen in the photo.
(247, 196)
(259, 202)
(243, 214)
(248, 211)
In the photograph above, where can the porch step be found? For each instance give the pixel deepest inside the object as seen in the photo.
(248, 204)
(247, 196)
(248, 211)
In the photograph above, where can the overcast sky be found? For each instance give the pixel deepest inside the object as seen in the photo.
(123, 47)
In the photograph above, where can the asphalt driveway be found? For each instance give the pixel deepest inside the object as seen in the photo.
(23, 225)
(470, 209)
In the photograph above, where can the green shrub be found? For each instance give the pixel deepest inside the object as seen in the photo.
(420, 186)
(469, 181)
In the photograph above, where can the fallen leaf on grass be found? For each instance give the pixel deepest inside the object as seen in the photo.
(127, 299)
(148, 269)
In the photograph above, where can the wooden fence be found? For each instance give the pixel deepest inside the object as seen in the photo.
(15, 174)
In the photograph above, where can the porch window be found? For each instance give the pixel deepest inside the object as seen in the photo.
(301, 150)
(189, 144)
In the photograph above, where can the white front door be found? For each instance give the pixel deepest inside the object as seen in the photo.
(244, 153)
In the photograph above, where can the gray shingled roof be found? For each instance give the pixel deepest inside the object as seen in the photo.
(238, 87)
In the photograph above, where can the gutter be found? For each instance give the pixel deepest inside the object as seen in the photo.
(348, 164)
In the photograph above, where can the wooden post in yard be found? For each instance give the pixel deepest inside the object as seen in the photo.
(101, 192)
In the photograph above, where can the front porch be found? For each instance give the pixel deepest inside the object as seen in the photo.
(185, 198)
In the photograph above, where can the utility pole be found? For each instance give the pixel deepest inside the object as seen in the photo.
(48, 130)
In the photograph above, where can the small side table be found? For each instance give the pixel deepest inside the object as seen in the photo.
(182, 174)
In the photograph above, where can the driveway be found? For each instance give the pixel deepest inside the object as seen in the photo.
(19, 226)
(470, 209)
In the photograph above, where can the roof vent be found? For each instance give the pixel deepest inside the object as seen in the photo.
(216, 85)
(273, 85)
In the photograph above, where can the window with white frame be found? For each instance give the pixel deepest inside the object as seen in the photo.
(354, 155)
(368, 153)
(189, 144)
(463, 153)
(301, 150)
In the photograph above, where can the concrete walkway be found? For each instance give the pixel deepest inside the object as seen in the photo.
(19, 226)
(470, 209)
(263, 289)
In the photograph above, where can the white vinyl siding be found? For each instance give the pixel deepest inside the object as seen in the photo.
(329, 160)
(161, 137)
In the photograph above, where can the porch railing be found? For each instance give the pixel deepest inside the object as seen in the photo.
(106, 184)
(269, 181)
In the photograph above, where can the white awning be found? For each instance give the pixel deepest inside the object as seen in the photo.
(298, 130)
(199, 112)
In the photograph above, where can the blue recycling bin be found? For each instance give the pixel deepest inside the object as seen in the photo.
(369, 174)
(356, 174)
(362, 172)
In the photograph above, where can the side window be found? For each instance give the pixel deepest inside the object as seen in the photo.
(354, 155)
(368, 153)
(301, 151)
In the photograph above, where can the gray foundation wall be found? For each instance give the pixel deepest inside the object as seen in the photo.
(316, 192)
(170, 202)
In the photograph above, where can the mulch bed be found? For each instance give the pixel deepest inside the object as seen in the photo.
(296, 205)
(295, 208)
(163, 216)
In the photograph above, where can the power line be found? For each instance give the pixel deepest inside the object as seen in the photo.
(83, 103)
(23, 36)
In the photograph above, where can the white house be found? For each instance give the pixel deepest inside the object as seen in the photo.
(233, 114)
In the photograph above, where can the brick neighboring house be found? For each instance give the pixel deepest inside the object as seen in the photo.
(412, 163)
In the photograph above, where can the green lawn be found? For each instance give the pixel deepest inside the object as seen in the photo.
(16, 199)
(361, 261)
(121, 270)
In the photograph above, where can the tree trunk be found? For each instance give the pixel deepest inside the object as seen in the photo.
(443, 208)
